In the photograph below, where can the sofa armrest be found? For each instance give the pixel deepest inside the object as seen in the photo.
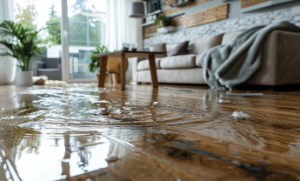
(135, 61)
(281, 60)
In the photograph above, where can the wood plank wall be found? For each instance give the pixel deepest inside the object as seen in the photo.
(247, 3)
(198, 18)
(207, 16)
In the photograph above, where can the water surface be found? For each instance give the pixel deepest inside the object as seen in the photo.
(170, 133)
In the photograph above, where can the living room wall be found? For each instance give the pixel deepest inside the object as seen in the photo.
(236, 21)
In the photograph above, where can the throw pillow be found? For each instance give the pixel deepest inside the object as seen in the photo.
(158, 48)
(180, 49)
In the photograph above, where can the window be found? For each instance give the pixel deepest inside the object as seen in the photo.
(86, 21)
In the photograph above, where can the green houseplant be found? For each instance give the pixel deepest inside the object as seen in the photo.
(94, 65)
(22, 44)
(162, 21)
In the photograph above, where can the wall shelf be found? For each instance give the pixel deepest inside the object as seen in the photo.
(264, 5)
(147, 24)
(183, 3)
(154, 13)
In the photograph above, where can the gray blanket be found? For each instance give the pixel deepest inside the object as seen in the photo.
(233, 64)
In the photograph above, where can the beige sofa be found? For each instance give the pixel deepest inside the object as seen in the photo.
(281, 61)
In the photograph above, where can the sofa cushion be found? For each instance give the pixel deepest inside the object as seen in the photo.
(200, 45)
(178, 62)
(180, 49)
(158, 48)
(228, 37)
(170, 47)
(144, 64)
(198, 61)
(174, 76)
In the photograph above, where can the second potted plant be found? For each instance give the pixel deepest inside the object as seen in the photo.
(164, 23)
(94, 65)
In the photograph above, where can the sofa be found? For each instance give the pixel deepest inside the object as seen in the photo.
(280, 66)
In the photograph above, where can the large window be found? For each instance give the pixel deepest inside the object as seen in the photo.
(86, 29)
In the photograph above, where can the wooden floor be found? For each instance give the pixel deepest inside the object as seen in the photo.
(80, 132)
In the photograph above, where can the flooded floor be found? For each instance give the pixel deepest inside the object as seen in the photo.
(81, 132)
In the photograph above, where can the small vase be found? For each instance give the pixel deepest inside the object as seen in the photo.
(24, 78)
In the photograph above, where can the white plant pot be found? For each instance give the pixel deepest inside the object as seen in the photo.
(165, 30)
(7, 70)
(24, 78)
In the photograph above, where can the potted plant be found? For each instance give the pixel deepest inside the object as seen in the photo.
(165, 25)
(22, 44)
(162, 21)
(94, 66)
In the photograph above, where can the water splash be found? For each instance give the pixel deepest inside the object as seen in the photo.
(221, 101)
(240, 115)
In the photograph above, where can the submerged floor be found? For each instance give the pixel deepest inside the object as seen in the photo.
(80, 132)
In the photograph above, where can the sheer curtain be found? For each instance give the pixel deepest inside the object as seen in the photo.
(7, 64)
(120, 28)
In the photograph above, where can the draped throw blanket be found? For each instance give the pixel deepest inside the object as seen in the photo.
(233, 64)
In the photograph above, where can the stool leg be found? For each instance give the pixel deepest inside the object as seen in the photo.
(103, 64)
(123, 71)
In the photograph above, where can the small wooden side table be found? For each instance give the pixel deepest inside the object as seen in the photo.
(124, 55)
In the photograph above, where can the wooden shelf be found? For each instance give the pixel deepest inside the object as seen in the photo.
(154, 13)
(259, 4)
(184, 3)
(149, 23)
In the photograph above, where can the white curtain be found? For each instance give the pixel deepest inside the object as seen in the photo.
(7, 64)
(120, 28)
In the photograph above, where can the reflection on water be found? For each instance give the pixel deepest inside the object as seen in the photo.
(63, 133)
(60, 156)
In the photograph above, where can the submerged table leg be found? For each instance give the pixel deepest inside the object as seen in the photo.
(123, 71)
(103, 64)
(153, 71)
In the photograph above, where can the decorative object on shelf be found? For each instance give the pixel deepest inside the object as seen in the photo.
(149, 20)
(253, 5)
(182, 3)
(137, 10)
(94, 65)
(170, 2)
(162, 21)
(22, 44)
